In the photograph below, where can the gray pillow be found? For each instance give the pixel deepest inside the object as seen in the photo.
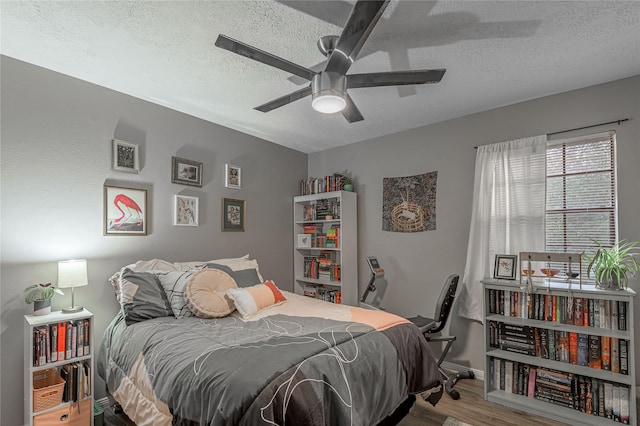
(142, 297)
(243, 277)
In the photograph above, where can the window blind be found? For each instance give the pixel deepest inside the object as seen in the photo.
(581, 201)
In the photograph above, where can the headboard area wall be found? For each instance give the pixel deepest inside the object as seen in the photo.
(57, 135)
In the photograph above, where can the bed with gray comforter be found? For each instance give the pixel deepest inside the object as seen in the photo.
(304, 362)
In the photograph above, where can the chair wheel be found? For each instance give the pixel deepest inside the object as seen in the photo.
(454, 394)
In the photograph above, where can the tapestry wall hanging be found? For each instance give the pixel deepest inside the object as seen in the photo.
(409, 203)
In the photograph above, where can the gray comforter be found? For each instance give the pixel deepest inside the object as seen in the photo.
(304, 362)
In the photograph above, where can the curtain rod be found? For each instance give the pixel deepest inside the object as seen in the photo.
(622, 120)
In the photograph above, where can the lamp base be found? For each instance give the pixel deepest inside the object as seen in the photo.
(72, 309)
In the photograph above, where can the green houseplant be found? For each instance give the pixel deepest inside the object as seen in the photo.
(40, 295)
(348, 184)
(613, 266)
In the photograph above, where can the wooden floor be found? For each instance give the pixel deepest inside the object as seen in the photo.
(470, 408)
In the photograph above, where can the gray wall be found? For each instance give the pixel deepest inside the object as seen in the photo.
(56, 157)
(417, 264)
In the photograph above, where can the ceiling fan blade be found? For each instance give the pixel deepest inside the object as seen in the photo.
(363, 18)
(351, 111)
(394, 78)
(284, 100)
(256, 54)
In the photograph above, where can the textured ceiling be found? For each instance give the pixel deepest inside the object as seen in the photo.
(496, 54)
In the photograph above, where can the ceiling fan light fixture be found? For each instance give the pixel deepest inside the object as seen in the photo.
(328, 103)
(328, 92)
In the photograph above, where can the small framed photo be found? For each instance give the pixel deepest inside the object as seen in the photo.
(232, 177)
(125, 157)
(125, 211)
(186, 172)
(304, 240)
(185, 210)
(233, 215)
(505, 267)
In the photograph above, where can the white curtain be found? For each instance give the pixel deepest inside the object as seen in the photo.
(508, 212)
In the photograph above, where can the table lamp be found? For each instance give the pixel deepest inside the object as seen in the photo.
(71, 274)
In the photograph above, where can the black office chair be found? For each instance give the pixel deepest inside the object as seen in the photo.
(431, 326)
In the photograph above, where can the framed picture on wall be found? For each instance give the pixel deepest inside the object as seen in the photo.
(232, 176)
(505, 267)
(186, 172)
(125, 157)
(125, 211)
(185, 210)
(233, 215)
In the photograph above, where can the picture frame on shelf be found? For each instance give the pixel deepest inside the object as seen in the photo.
(125, 211)
(505, 267)
(125, 156)
(233, 215)
(232, 176)
(186, 172)
(185, 210)
(304, 240)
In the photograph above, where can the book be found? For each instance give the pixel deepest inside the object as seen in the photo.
(605, 345)
(69, 334)
(615, 356)
(53, 331)
(544, 343)
(573, 347)
(624, 356)
(62, 341)
(531, 385)
(577, 311)
(583, 349)
(87, 336)
(80, 338)
(614, 314)
(616, 403)
(595, 360)
(624, 405)
(622, 315)
(608, 400)
(508, 376)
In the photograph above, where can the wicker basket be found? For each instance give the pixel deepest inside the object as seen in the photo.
(48, 387)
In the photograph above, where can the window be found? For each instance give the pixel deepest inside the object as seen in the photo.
(581, 202)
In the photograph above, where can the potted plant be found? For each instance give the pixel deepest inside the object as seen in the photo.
(613, 266)
(348, 184)
(40, 295)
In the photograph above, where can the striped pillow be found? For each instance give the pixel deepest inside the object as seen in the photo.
(251, 300)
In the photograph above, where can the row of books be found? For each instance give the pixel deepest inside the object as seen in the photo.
(61, 341)
(313, 185)
(586, 394)
(77, 378)
(333, 296)
(318, 267)
(599, 352)
(582, 311)
(321, 209)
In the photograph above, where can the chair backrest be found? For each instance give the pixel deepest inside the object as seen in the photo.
(445, 302)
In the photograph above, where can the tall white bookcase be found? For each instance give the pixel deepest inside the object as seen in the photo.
(77, 413)
(500, 313)
(310, 211)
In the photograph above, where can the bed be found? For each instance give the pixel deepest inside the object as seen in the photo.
(290, 360)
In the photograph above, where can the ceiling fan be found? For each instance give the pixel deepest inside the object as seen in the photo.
(328, 88)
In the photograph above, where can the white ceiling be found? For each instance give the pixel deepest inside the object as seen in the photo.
(495, 53)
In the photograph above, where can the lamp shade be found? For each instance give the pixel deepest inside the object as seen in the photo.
(72, 273)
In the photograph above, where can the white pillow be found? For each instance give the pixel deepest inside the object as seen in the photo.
(251, 300)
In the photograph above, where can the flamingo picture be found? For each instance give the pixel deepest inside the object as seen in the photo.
(132, 208)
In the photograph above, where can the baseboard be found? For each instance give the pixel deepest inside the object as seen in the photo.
(456, 367)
